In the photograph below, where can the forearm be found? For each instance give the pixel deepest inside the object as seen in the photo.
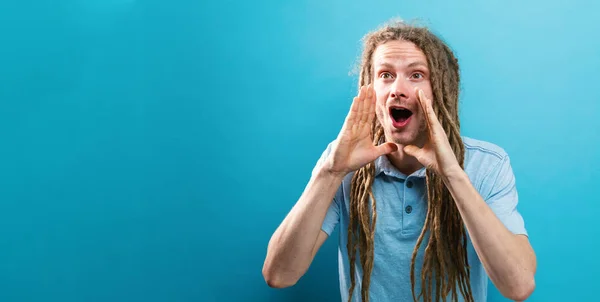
(290, 249)
(509, 262)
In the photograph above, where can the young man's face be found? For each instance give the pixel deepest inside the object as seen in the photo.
(399, 68)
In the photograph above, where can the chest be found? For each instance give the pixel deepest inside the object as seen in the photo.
(401, 206)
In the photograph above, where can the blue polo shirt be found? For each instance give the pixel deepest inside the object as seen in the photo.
(401, 209)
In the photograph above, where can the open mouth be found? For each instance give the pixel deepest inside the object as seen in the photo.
(400, 114)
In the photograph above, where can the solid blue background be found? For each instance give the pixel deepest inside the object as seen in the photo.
(150, 148)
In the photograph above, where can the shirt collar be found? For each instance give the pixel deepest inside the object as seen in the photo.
(383, 165)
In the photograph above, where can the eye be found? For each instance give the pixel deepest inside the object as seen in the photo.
(417, 75)
(385, 75)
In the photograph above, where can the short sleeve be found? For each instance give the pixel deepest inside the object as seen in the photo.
(332, 218)
(502, 196)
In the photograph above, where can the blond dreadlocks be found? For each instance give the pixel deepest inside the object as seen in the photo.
(445, 259)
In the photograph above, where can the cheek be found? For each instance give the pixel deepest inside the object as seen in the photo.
(381, 90)
(426, 87)
(381, 100)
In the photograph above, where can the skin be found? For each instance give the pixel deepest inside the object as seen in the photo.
(508, 259)
(398, 69)
(401, 78)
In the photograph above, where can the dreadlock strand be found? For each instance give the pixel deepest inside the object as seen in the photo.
(415, 251)
(352, 237)
(445, 259)
(440, 265)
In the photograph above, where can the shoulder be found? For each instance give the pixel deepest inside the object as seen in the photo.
(482, 153)
(484, 162)
(476, 147)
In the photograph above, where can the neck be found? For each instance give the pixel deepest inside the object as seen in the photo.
(404, 162)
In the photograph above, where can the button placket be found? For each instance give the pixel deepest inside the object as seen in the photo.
(408, 208)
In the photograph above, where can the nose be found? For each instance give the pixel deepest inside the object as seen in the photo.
(401, 88)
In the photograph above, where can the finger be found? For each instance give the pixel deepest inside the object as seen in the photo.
(422, 105)
(421, 156)
(360, 105)
(351, 117)
(415, 152)
(426, 105)
(361, 98)
(386, 148)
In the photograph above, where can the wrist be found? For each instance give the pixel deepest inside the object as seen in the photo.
(326, 172)
(455, 174)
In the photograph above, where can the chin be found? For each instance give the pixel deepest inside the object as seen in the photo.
(404, 138)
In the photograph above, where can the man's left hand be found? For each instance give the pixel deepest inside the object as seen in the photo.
(436, 154)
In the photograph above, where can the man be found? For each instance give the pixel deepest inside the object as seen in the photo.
(424, 213)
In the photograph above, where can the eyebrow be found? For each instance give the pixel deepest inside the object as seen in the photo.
(411, 65)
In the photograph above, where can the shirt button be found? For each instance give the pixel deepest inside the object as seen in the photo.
(408, 209)
(409, 184)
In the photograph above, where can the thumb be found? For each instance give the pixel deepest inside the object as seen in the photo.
(413, 151)
(386, 148)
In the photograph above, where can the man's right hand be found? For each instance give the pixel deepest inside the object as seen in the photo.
(354, 146)
(296, 241)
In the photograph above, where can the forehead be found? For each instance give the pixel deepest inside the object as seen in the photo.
(398, 53)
